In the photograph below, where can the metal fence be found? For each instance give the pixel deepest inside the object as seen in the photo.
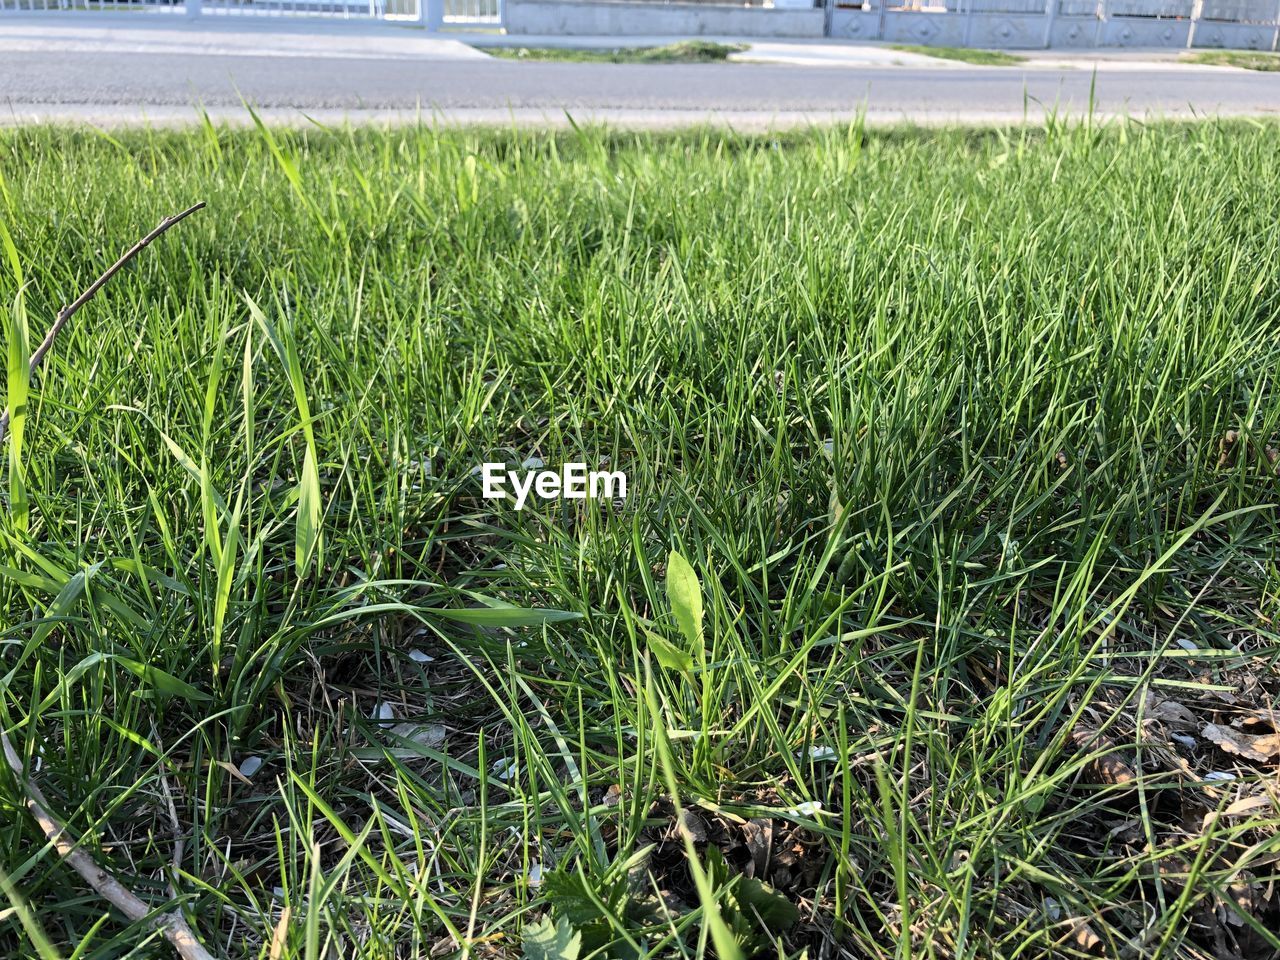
(149, 6)
(1028, 24)
(432, 13)
(1009, 24)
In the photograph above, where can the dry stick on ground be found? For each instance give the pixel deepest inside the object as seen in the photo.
(172, 925)
(67, 312)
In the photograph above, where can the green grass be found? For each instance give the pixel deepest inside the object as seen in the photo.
(686, 51)
(938, 420)
(987, 58)
(1245, 59)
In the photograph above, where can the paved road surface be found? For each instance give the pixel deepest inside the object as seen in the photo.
(362, 75)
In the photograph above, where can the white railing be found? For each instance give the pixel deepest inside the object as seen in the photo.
(344, 9)
(473, 11)
(432, 13)
(1155, 9)
(134, 6)
(1241, 11)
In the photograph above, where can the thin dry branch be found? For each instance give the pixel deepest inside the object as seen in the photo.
(172, 925)
(69, 311)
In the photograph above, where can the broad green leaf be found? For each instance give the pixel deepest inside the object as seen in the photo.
(767, 905)
(754, 911)
(504, 616)
(577, 901)
(307, 528)
(226, 575)
(165, 684)
(11, 252)
(685, 596)
(547, 940)
(26, 578)
(668, 654)
(209, 502)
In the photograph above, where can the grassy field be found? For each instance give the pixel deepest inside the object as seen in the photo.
(986, 58)
(1245, 59)
(938, 619)
(686, 51)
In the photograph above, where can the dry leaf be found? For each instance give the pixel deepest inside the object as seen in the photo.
(1226, 447)
(1243, 900)
(280, 939)
(1083, 937)
(1242, 807)
(1258, 748)
(428, 735)
(1173, 713)
(1108, 768)
(232, 769)
(757, 833)
(1246, 805)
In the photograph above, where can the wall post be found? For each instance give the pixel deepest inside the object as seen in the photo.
(431, 14)
(1050, 15)
(1197, 11)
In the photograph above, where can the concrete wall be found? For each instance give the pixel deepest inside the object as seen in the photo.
(1236, 36)
(992, 24)
(1076, 24)
(985, 30)
(1143, 32)
(606, 17)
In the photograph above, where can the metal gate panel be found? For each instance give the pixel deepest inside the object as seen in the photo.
(1075, 32)
(432, 13)
(141, 7)
(1010, 31)
(1144, 32)
(855, 23)
(940, 29)
(1234, 36)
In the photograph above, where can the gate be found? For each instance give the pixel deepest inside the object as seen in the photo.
(433, 14)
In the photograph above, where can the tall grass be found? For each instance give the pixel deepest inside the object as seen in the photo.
(935, 424)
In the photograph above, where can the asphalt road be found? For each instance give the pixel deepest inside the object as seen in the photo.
(107, 86)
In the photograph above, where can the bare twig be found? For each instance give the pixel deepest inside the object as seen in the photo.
(67, 312)
(178, 843)
(172, 925)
